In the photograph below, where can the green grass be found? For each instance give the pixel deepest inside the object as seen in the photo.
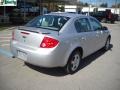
(4, 26)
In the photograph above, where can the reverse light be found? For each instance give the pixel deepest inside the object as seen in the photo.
(49, 42)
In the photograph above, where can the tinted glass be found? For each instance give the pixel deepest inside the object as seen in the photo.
(95, 24)
(50, 22)
(82, 25)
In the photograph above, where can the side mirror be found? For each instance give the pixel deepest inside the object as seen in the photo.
(104, 28)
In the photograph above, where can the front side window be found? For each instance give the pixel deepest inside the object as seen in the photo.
(82, 25)
(50, 22)
(95, 24)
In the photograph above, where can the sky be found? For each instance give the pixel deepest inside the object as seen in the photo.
(97, 2)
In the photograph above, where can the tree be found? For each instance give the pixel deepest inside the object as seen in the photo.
(86, 4)
(104, 5)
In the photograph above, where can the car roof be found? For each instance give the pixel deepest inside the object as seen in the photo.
(66, 14)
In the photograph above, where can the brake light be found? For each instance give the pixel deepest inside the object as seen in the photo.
(49, 42)
(13, 38)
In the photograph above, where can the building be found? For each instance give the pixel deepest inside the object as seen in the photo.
(27, 9)
(91, 9)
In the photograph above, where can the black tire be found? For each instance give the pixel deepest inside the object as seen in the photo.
(75, 58)
(107, 44)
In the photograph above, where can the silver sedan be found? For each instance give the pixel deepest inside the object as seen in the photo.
(59, 40)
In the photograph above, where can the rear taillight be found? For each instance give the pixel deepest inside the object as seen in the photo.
(13, 38)
(49, 42)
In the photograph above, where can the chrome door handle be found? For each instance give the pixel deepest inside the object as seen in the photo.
(97, 32)
(83, 38)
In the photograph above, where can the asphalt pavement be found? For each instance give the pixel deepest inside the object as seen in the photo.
(99, 71)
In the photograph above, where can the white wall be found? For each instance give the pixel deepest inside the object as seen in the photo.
(70, 8)
(113, 10)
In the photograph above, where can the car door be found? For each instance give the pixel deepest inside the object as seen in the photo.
(86, 36)
(99, 33)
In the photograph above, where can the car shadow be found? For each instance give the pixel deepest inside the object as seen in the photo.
(49, 71)
(89, 59)
(59, 72)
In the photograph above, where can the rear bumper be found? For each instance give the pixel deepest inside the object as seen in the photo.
(54, 57)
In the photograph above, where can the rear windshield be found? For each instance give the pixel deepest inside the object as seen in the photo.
(50, 22)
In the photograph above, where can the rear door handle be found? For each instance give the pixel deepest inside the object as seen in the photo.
(97, 34)
(83, 38)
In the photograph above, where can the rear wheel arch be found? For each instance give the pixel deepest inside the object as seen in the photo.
(80, 49)
(68, 67)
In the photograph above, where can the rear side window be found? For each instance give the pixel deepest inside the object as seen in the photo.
(95, 24)
(82, 25)
(50, 22)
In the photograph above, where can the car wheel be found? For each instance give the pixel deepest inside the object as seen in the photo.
(73, 62)
(107, 44)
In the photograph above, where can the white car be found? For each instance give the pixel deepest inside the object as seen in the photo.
(59, 40)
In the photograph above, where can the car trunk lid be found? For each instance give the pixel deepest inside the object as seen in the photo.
(32, 36)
